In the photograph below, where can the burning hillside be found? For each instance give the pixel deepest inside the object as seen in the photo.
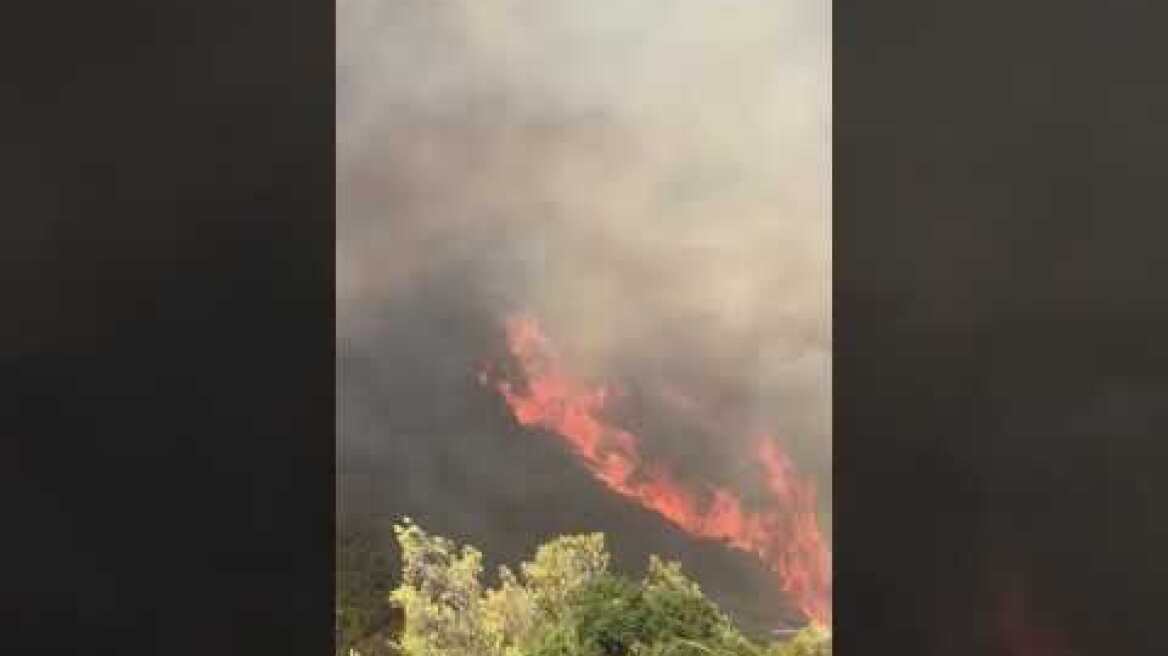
(783, 531)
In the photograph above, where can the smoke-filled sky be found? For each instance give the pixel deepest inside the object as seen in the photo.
(651, 179)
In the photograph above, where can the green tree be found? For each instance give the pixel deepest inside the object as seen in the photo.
(441, 596)
(664, 614)
(561, 568)
(564, 602)
(449, 612)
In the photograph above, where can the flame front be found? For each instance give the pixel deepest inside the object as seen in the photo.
(785, 534)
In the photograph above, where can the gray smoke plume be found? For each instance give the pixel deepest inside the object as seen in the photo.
(651, 179)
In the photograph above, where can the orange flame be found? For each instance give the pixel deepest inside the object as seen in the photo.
(785, 535)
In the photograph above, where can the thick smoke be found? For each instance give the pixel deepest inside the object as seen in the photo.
(651, 179)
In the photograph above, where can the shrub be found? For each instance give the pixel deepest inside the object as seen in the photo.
(564, 602)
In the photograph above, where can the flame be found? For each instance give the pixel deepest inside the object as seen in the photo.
(785, 534)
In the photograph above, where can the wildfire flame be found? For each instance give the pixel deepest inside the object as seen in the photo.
(785, 534)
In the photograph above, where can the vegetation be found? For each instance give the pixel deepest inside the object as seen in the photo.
(564, 602)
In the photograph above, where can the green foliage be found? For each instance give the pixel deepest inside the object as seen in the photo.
(808, 642)
(441, 596)
(509, 614)
(562, 567)
(564, 602)
(665, 614)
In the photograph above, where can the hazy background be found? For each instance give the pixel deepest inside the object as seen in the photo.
(651, 180)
